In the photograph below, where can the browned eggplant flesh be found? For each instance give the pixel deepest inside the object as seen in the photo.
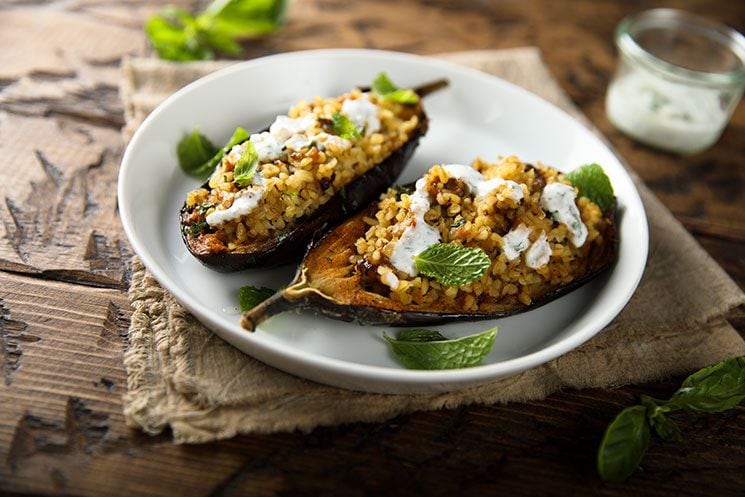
(323, 161)
(465, 242)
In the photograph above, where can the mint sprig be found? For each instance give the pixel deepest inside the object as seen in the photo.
(452, 264)
(192, 151)
(713, 389)
(593, 183)
(246, 167)
(383, 87)
(344, 127)
(427, 349)
(177, 34)
(250, 296)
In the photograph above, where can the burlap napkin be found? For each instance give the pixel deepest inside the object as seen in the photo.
(183, 376)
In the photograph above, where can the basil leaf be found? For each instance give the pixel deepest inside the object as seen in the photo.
(420, 335)
(343, 126)
(193, 150)
(593, 183)
(383, 87)
(624, 444)
(665, 428)
(174, 35)
(178, 35)
(452, 264)
(713, 389)
(463, 352)
(244, 18)
(246, 167)
(250, 296)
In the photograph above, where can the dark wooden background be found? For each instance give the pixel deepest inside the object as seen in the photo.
(64, 273)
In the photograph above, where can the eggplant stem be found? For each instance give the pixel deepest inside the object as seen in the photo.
(432, 87)
(275, 304)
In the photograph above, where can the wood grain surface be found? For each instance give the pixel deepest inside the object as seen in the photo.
(64, 273)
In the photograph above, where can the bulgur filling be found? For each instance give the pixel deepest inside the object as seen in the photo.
(302, 165)
(527, 219)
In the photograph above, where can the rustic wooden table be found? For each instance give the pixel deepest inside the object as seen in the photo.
(64, 262)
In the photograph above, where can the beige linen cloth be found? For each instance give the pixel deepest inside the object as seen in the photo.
(182, 375)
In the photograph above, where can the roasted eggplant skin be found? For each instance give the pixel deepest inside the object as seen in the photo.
(288, 246)
(326, 267)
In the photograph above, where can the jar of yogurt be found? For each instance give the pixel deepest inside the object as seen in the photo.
(679, 79)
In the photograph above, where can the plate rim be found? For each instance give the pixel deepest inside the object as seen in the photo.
(441, 380)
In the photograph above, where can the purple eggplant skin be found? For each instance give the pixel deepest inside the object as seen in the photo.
(289, 246)
(326, 284)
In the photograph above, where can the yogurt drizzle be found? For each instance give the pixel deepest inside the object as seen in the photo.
(419, 235)
(285, 134)
(558, 200)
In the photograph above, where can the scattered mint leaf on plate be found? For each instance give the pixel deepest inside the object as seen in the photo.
(452, 264)
(344, 127)
(246, 167)
(593, 183)
(383, 87)
(427, 349)
(194, 150)
(250, 296)
(203, 170)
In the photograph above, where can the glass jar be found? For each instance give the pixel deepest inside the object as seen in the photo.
(679, 78)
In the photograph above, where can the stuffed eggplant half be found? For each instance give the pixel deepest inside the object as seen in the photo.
(323, 161)
(465, 242)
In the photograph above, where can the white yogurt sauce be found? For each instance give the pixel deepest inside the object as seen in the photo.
(297, 142)
(539, 253)
(324, 139)
(284, 127)
(515, 242)
(363, 113)
(558, 200)
(267, 146)
(664, 114)
(480, 186)
(418, 236)
(243, 202)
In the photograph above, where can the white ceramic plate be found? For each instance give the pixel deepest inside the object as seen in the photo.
(478, 115)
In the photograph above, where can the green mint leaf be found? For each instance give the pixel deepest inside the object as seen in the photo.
(423, 353)
(383, 87)
(193, 150)
(239, 136)
(452, 264)
(342, 126)
(244, 18)
(174, 35)
(244, 170)
(713, 389)
(624, 444)
(593, 183)
(251, 296)
(420, 335)
(403, 96)
(197, 227)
